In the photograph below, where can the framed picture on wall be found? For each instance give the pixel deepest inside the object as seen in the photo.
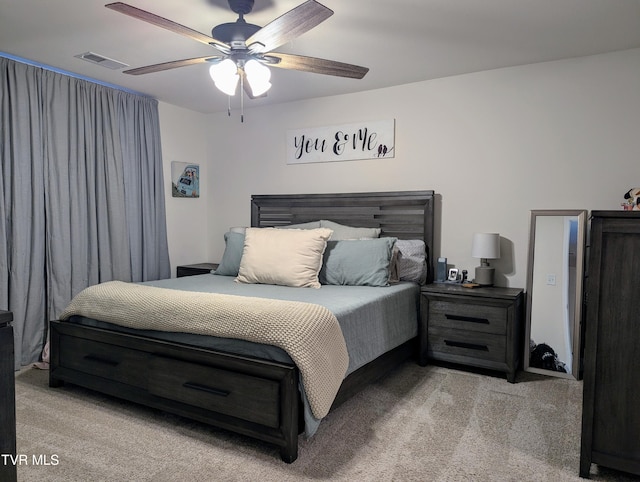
(185, 179)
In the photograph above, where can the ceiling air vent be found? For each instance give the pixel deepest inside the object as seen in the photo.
(101, 60)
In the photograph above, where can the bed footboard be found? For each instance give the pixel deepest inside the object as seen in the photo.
(257, 398)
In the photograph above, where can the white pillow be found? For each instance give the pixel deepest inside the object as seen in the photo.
(288, 257)
(342, 232)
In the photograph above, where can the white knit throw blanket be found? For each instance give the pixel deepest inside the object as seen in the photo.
(309, 333)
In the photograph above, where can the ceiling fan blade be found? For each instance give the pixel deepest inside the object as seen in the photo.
(164, 23)
(174, 64)
(288, 26)
(316, 65)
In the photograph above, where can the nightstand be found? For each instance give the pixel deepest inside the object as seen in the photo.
(7, 397)
(479, 327)
(193, 269)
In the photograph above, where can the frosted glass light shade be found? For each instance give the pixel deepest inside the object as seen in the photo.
(225, 76)
(258, 76)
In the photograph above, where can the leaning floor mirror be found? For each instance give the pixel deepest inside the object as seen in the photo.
(554, 292)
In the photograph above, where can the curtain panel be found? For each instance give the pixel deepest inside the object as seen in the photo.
(81, 194)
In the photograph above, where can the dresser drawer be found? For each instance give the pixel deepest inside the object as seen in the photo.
(104, 360)
(470, 316)
(230, 393)
(452, 345)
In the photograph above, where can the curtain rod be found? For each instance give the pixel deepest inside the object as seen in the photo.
(69, 74)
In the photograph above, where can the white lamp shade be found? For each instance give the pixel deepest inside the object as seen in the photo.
(486, 246)
(225, 76)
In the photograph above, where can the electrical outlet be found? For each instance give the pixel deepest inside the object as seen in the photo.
(551, 279)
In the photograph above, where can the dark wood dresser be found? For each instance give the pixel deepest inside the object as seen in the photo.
(480, 327)
(7, 398)
(611, 397)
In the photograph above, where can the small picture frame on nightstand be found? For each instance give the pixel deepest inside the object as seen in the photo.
(453, 274)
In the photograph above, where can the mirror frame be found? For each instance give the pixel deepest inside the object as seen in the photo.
(576, 343)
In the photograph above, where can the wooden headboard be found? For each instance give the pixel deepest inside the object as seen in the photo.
(401, 214)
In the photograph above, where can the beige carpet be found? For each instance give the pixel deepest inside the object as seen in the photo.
(423, 424)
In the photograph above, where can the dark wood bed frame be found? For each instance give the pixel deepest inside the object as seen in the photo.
(253, 397)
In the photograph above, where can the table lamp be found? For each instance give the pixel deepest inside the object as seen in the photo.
(485, 246)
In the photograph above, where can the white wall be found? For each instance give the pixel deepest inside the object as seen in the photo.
(494, 145)
(185, 135)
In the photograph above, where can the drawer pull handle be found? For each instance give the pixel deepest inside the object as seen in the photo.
(472, 319)
(104, 361)
(204, 388)
(461, 344)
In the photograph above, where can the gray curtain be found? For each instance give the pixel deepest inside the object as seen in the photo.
(81, 194)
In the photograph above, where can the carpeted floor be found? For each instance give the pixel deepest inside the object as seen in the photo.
(422, 424)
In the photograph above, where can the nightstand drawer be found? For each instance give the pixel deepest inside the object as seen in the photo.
(467, 316)
(453, 345)
(479, 327)
(195, 269)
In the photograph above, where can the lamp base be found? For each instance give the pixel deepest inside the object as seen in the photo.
(484, 276)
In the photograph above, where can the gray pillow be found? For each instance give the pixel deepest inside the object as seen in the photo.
(357, 262)
(410, 261)
(341, 231)
(309, 225)
(230, 264)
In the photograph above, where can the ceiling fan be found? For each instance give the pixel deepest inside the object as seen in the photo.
(246, 49)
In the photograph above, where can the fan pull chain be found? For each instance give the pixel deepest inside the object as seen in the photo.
(242, 98)
(229, 105)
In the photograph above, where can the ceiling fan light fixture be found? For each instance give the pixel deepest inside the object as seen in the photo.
(225, 76)
(258, 76)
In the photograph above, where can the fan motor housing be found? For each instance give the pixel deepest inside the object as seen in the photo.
(234, 32)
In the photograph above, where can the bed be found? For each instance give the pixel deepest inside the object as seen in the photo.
(251, 387)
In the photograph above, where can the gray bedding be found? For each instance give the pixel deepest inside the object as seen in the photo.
(373, 320)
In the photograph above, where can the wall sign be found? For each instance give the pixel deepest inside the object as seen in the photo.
(347, 142)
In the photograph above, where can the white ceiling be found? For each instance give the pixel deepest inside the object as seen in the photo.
(401, 41)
